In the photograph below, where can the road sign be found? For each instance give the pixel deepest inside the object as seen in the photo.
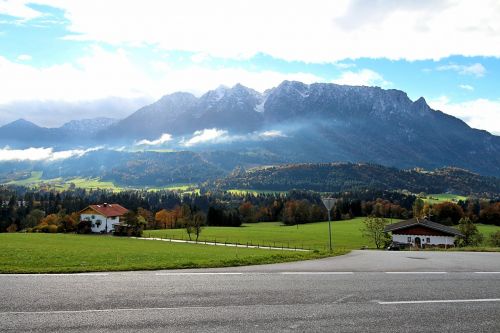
(329, 203)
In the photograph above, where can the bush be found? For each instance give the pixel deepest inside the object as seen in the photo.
(52, 229)
(12, 228)
(495, 239)
(84, 227)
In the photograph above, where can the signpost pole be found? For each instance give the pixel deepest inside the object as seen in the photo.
(329, 202)
(329, 230)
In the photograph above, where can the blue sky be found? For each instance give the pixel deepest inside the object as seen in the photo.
(62, 60)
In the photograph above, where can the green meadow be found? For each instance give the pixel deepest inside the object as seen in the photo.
(56, 253)
(443, 197)
(36, 181)
(345, 234)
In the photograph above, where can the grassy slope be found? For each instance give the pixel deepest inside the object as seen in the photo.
(35, 180)
(345, 234)
(487, 230)
(39, 253)
(443, 197)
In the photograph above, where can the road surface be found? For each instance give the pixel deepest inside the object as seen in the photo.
(365, 291)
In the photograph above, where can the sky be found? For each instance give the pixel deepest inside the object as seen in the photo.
(72, 59)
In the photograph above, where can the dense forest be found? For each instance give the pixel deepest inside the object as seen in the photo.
(339, 177)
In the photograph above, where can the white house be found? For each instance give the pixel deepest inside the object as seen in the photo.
(103, 217)
(422, 233)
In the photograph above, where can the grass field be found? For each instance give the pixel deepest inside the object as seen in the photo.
(35, 180)
(443, 197)
(52, 253)
(35, 177)
(253, 192)
(487, 230)
(345, 234)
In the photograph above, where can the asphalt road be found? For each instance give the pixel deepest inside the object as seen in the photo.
(366, 291)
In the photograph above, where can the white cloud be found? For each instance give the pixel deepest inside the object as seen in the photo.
(272, 134)
(102, 73)
(164, 138)
(311, 31)
(18, 8)
(54, 113)
(24, 57)
(479, 113)
(364, 77)
(466, 87)
(40, 154)
(98, 75)
(212, 135)
(476, 69)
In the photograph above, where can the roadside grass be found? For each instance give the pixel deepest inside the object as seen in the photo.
(60, 253)
(345, 234)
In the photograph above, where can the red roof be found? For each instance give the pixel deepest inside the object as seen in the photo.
(109, 210)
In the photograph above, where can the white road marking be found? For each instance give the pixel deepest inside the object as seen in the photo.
(316, 273)
(416, 272)
(200, 273)
(443, 301)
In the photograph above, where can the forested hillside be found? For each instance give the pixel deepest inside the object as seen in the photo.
(335, 177)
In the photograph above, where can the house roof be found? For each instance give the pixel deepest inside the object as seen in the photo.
(422, 223)
(109, 210)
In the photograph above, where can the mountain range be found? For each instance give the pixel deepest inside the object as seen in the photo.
(291, 123)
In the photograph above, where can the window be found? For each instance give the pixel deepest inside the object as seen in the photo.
(409, 239)
(93, 217)
(428, 240)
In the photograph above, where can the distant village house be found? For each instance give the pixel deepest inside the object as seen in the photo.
(104, 217)
(422, 233)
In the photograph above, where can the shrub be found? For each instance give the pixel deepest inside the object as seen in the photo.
(52, 228)
(84, 227)
(495, 239)
(12, 228)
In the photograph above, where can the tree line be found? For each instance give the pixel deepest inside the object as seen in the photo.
(57, 211)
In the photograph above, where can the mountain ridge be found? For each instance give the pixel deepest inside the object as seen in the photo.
(318, 122)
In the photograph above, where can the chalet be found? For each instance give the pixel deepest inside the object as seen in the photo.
(103, 217)
(422, 233)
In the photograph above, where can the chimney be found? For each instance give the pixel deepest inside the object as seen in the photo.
(105, 204)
